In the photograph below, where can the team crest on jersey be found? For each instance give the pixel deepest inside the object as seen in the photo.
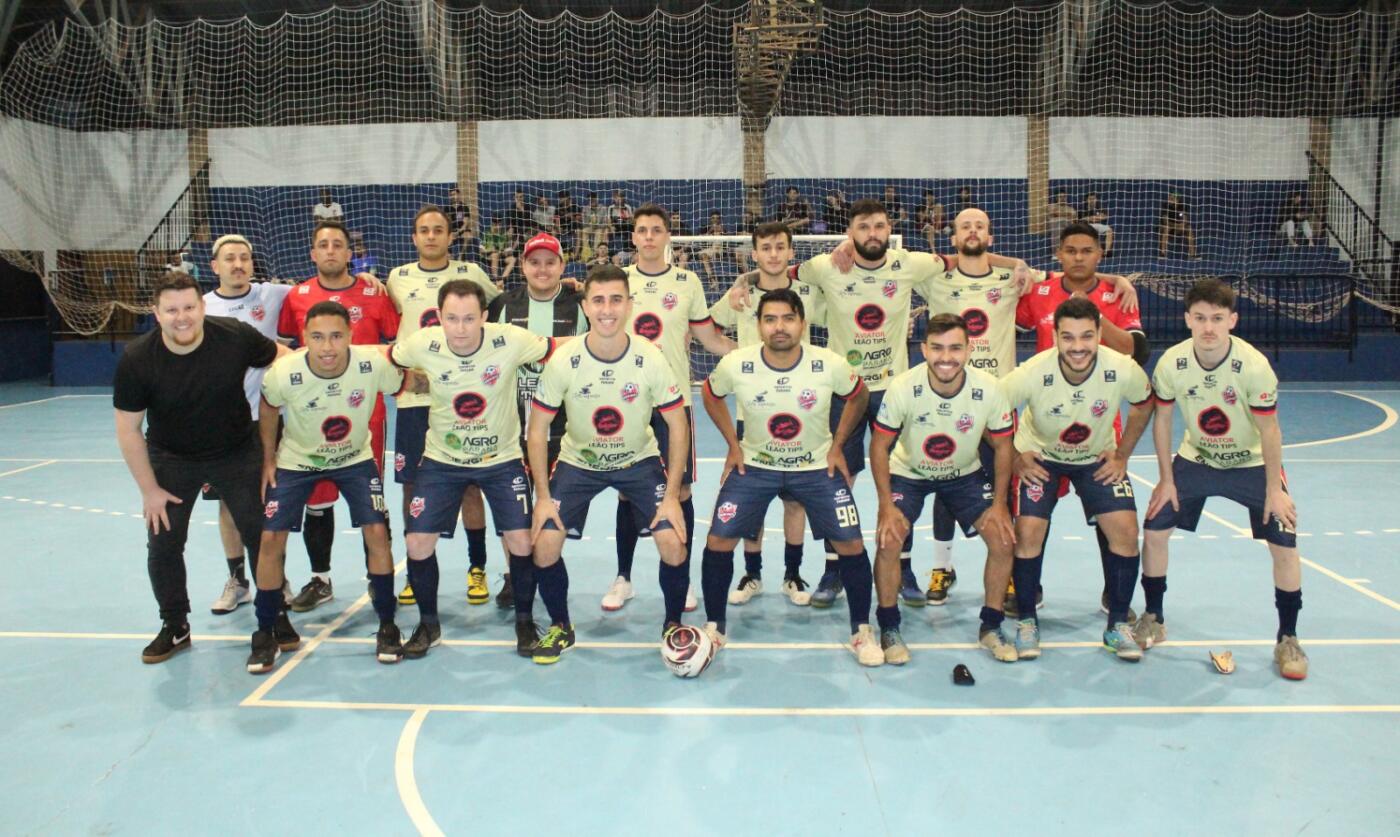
(490, 375)
(270, 510)
(366, 367)
(415, 506)
(806, 399)
(356, 397)
(1230, 396)
(993, 295)
(296, 379)
(726, 512)
(629, 392)
(257, 312)
(355, 314)
(1034, 492)
(668, 301)
(964, 423)
(1098, 408)
(399, 462)
(889, 288)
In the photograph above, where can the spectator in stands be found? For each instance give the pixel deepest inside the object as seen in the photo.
(567, 219)
(463, 231)
(1175, 221)
(1095, 214)
(745, 248)
(680, 253)
(543, 216)
(599, 256)
(595, 227)
(795, 212)
(182, 263)
(899, 219)
(328, 209)
(620, 217)
(965, 200)
(933, 220)
(1058, 215)
(498, 245)
(362, 260)
(836, 213)
(519, 220)
(714, 249)
(1296, 213)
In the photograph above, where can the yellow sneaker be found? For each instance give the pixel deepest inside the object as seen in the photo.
(939, 584)
(406, 597)
(477, 591)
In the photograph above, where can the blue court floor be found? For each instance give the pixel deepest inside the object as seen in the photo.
(785, 734)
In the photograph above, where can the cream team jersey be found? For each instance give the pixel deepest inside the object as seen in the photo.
(414, 291)
(786, 412)
(608, 402)
(473, 421)
(1217, 403)
(1072, 423)
(664, 307)
(745, 322)
(325, 421)
(988, 304)
(867, 310)
(937, 437)
(259, 307)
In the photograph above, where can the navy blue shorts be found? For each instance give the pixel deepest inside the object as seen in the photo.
(359, 484)
(855, 446)
(642, 483)
(663, 442)
(438, 489)
(410, 436)
(744, 499)
(966, 497)
(1097, 498)
(1246, 486)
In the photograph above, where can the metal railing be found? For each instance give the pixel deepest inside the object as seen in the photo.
(177, 227)
(1359, 235)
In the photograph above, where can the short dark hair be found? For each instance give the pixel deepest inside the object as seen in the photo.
(868, 206)
(771, 228)
(1076, 308)
(461, 287)
(430, 209)
(1079, 228)
(655, 210)
(605, 273)
(330, 224)
(787, 296)
(327, 308)
(1091, 194)
(944, 323)
(174, 280)
(1212, 292)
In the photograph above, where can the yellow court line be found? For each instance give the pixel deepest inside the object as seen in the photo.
(28, 468)
(407, 783)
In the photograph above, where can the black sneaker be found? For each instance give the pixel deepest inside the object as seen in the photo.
(287, 637)
(1011, 609)
(171, 640)
(1103, 608)
(265, 652)
(388, 645)
(557, 640)
(505, 599)
(313, 595)
(425, 636)
(527, 633)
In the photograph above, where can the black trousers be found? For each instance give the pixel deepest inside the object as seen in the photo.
(237, 477)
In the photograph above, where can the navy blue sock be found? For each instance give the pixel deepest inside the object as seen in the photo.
(675, 581)
(1026, 573)
(553, 582)
(943, 521)
(688, 512)
(856, 578)
(792, 559)
(382, 595)
(1120, 594)
(1108, 561)
(476, 547)
(888, 617)
(991, 618)
(423, 575)
(626, 538)
(1154, 587)
(716, 573)
(235, 568)
(1288, 602)
(522, 585)
(268, 605)
(753, 563)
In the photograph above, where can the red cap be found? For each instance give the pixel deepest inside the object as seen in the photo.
(542, 241)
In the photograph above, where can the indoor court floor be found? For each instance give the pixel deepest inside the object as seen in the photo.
(784, 734)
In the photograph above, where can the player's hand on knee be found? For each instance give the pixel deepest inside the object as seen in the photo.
(995, 525)
(544, 513)
(153, 508)
(1278, 504)
(669, 510)
(1114, 468)
(892, 526)
(836, 461)
(1164, 493)
(732, 461)
(1027, 468)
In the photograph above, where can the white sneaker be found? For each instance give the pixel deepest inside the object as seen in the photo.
(690, 602)
(235, 593)
(716, 638)
(796, 591)
(618, 594)
(747, 589)
(866, 647)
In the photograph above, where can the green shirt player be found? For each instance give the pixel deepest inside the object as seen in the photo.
(325, 395)
(473, 440)
(772, 253)
(784, 390)
(608, 383)
(928, 435)
(414, 287)
(1072, 394)
(1233, 448)
(668, 309)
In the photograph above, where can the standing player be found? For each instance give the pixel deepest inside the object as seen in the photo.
(935, 417)
(784, 390)
(772, 253)
(258, 305)
(1071, 393)
(373, 320)
(608, 383)
(473, 439)
(324, 396)
(668, 308)
(1233, 448)
(413, 288)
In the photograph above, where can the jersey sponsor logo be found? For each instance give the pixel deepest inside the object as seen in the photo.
(1230, 396)
(607, 421)
(335, 428)
(993, 296)
(490, 375)
(469, 405)
(1034, 492)
(983, 363)
(939, 447)
(784, 426)
(1075, 434)
(1098, 408)
(977, 322)
(270, 510)
(854, 357)
(1109, 297)
(629, 392)
(304, 290)
(869, 317)
(1213, 422)
(668, 301)
(355, 398)
(296, 379)
(257, 312)
(726, 512)
(416, 506)
(964, 423)
(647, 325)
(1229, 456)
(1043, 290)
(429, 318)
(370, 290)
(806, 399)
(889, 289)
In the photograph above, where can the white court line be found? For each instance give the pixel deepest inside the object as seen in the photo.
(404, 778)
(51, 398)
(1390, 418)
(28, 468)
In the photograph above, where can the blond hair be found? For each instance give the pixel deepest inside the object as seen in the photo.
(231, 238)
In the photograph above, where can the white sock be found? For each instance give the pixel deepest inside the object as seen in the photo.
(326, 577)
(942, 555)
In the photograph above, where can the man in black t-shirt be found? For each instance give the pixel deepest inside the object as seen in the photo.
(185, 379)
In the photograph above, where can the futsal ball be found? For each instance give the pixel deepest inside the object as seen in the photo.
(687, 651)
